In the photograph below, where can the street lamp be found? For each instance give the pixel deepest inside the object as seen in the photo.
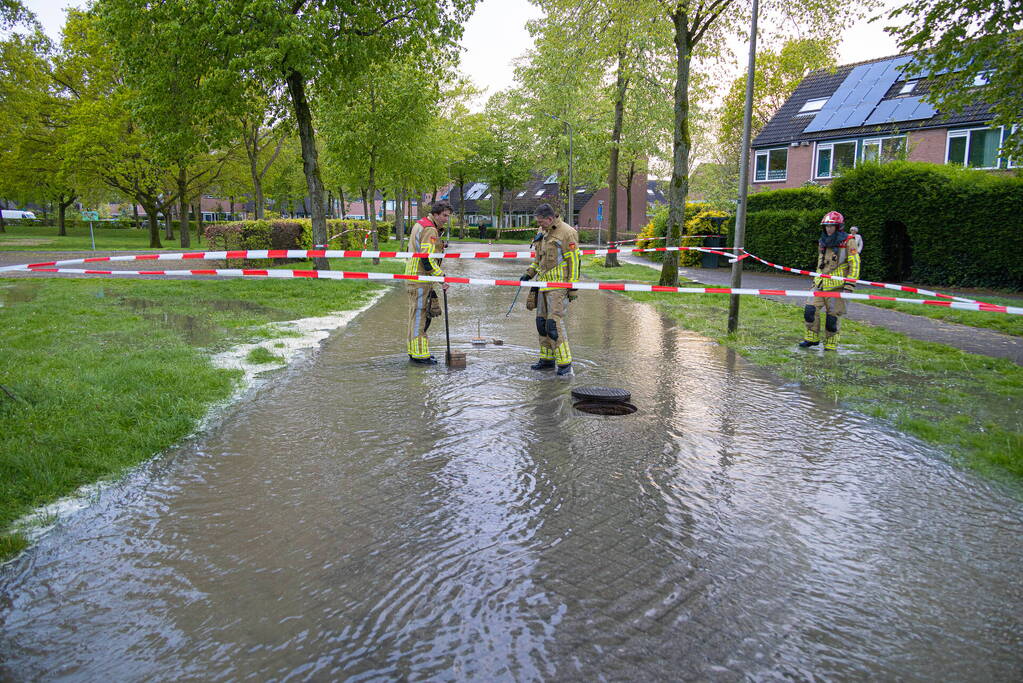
(571, 187)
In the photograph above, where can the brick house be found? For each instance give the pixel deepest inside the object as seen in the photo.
(868, 111)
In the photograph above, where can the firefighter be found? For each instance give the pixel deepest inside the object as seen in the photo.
(838, 256)
(557, 260)
(423, 304)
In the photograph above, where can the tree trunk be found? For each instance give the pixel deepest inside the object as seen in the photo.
(341, 199)
(61, 211)
(399, 214)
(135, 210)
(461, 207)
(198, 222)
(628, 197)
(310, 161)
(678, 187)
(611, 260)
(154, 224)
(183, 230)
(3, 225)
(168, 227)
(230, 204)
(373, 198)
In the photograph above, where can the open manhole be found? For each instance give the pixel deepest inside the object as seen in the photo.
(601, 394)
(605, 407)
(603, 400)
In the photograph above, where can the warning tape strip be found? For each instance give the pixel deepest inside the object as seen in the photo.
(884, 285)
(610, 286)
(335, 253)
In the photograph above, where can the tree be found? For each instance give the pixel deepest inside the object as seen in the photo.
(779, 72)
(700, 29)
(963, 44)
(500, 157)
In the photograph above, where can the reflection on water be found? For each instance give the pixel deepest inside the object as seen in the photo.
(366, 519)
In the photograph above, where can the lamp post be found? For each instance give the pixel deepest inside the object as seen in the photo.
(740, 210)
(571, 187)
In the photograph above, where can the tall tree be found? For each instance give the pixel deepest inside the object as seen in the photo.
(779, 72)
(972, 51)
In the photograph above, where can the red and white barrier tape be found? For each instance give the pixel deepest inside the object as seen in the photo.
(611, 286)
(884, 285)
(335, 253)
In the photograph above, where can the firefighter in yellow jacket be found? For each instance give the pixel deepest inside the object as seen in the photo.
(557, 260)
(423, 304)
(838, 256)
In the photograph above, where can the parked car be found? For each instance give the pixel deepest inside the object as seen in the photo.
(10, 214)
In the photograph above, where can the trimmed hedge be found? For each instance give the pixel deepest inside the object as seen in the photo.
(792, 199)
(957, 227)
(920, 222)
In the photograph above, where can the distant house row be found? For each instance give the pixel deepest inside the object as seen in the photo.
(869, 111)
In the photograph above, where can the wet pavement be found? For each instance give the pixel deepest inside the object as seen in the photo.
(360, 518)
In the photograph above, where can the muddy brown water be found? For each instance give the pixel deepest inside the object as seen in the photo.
(360, 518)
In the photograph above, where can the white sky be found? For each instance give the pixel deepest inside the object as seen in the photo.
(496, 34)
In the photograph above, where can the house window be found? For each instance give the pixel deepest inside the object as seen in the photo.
(771, 165)
(833, 157)
(552, 178)
(976, 148)
(981, 78)
(907, 87)
(1011, 162)
(520, 194)
(580, 190)
(813, 105)
(539, 193)
(884, 149)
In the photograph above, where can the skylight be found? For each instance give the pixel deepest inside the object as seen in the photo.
(907, 87)
(539, 193)
(813, 105)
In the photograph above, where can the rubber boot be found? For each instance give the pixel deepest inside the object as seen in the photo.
(423, 361)
(565, 370)
(807, 344)
(543, 364)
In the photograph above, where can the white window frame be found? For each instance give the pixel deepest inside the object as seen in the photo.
(767, 166)
(1009, 161)
(880, 146)
(965, 133)
(908, 87)
(813, 106)
(817, 146)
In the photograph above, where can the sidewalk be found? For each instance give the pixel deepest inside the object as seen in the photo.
(969, 339)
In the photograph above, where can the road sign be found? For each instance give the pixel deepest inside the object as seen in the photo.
(90, 215)
(600, 210)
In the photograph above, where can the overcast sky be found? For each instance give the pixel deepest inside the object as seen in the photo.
(496, 34)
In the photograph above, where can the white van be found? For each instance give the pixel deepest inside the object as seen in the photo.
(10, 214)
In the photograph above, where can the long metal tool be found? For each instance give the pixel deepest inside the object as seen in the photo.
(447, 331)
(517, 292)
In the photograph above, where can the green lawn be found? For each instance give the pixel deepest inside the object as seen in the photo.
(45, 238)
(98, 375)
(967, 404)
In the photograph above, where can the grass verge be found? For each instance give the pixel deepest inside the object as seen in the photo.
(967, 404)
(100, 374)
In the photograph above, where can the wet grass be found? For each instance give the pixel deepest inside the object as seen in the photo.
(45, 238)
(999, 322)
(100, 374)
(262, 356)
(967, 404)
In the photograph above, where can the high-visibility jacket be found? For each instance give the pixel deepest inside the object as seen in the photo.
(557, 255)
(840, 261)
(424, 238)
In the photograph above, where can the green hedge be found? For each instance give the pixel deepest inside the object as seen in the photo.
(920, 222)
(793, 199)
(964, 227)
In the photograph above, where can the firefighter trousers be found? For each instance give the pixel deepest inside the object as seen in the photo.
(551, 308)
(830, 310)
(422, 306)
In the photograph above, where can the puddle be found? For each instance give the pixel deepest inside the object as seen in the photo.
(20, 291)
(364, 518)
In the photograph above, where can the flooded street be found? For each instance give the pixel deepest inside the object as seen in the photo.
(363, 518)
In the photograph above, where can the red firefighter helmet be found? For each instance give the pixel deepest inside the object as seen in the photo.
(833, 217)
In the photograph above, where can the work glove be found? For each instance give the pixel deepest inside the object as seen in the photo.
(525, 277)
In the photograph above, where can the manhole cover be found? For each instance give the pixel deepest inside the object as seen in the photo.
(605, 407)
(601, 394)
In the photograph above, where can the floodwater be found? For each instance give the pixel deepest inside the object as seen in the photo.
(360, 518)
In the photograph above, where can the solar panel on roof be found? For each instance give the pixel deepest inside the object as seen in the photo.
(905, 109)
(857, 95)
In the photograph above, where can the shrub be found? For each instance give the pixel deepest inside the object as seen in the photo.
(792, 199)
(346, 234)
(784, 236)
(955, 226)
(697, 216)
